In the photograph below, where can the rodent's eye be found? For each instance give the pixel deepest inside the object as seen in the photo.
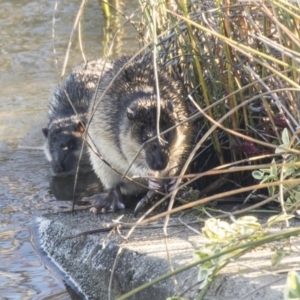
(168, 136)
(67, 146)
(144, 137)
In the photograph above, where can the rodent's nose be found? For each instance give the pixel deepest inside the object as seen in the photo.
(58, 167)
(160, 156)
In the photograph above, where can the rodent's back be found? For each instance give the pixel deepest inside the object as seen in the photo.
(78, 88)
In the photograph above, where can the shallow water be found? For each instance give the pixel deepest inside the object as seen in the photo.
(31, 60)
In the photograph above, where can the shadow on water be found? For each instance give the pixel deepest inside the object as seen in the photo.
(63, 187)
(29, 71)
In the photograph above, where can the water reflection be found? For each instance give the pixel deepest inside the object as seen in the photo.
(31, 58)
(63, 187)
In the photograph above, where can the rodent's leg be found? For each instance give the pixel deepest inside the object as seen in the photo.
(105, 203)
(167, 186)
(144, 202)
(170, 185)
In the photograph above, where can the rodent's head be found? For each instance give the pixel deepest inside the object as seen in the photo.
(142, 127)
(63, 145)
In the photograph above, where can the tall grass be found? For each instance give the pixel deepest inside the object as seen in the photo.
(234, 59)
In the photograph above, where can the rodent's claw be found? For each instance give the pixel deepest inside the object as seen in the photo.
(144, 202)
(94, 210)
(108, 203)
(153, 184)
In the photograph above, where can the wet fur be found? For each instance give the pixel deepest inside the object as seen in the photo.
(128, 106)
(65, 126)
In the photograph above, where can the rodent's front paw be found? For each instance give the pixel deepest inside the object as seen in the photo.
(110, 202)
(94, 210)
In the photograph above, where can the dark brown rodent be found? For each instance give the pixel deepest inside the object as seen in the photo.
(67, 117)
(125, 119)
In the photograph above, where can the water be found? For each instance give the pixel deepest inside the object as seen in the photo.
(31, 60)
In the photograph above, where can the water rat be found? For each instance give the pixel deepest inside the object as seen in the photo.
(125, 119)
(66, 121)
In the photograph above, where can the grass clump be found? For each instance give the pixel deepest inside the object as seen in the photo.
(239, 67)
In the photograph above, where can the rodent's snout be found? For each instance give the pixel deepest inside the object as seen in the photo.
(58, 167)
(157, 156)
(63, 160)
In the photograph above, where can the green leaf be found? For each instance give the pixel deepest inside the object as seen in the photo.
(248, 221)
(292, 289)
(285, 137)
(258, 174)
(273, 170)
(203, 276)
(286, 141)
(276, 258)
(289, 171)
(216, 230)
(278, 218)
(203, 253)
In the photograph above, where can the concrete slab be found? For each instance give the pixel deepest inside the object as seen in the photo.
(104, 265)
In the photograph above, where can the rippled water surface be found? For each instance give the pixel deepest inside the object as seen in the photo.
(33, 46)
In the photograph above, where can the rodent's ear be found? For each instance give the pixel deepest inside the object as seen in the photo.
(45, 131)
(170, 106)
(80, 127)
(130, 114)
